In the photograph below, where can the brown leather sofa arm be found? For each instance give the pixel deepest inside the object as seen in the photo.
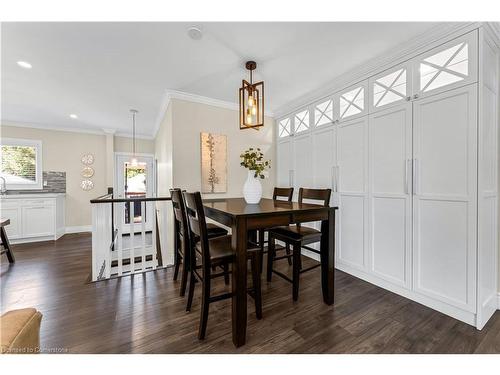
(20, 331)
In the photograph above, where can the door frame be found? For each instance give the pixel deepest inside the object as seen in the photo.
(118, 154)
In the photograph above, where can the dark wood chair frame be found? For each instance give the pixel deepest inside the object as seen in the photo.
(297, 242)
(181, 240)
(198, 229)
(286, 193)
(5, 241)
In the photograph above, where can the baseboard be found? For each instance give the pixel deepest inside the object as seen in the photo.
(78, 229)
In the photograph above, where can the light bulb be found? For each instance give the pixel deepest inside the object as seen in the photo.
(249, 118)
(133, 162)
(254, 110)
(250, 101)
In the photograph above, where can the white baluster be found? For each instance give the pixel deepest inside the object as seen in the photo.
(105, 230)
(143, 234)
(153, 234)
(119, 243)
(132, 232)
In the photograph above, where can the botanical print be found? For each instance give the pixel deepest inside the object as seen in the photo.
(213, 163)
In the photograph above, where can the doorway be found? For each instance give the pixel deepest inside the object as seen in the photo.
(135, 181)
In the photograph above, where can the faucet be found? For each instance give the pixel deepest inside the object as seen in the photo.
(3, 188)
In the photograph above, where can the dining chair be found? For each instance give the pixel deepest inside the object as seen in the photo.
(208, 252)
(181, 238)
(284, 194)
(298, 236)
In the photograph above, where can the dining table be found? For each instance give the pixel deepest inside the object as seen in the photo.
(245, 218)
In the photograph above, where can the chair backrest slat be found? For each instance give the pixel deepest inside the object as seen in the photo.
(197, 223)
(322, 195)
(286, 193)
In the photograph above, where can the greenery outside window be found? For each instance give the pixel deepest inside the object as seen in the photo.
(21, 161)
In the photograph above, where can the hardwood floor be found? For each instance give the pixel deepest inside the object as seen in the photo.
(144, 313)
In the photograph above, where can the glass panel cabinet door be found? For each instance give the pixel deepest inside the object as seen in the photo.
(392, 87)
(284, 127)
(448, 66)
(323, 112)
(301, 121)
(352, 102)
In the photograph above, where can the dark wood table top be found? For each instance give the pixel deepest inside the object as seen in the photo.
(238, 207)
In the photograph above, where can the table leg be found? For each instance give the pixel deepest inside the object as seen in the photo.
(239, 303)
(328, 257)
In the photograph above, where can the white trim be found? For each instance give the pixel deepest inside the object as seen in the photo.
(397, 55)
(33, 125)
(37, 185)
(498, 301)
(78, 229)
(149, 155)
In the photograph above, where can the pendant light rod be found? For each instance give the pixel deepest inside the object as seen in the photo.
(134, 112)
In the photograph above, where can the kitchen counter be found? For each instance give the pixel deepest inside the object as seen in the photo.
(31, 195)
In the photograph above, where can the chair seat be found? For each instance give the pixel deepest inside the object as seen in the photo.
(220, 248)
(214, 230)
(296, 232)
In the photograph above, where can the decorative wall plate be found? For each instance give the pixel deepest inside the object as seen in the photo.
(87, 185)
(88, 159)
(87, 172)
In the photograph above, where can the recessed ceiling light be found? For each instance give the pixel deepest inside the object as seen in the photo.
(195, 33)
(24, 64)
(73, 116)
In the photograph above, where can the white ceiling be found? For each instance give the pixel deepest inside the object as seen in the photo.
(101, 70)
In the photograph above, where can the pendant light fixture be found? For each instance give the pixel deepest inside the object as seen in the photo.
(133, 161)
(251, 101)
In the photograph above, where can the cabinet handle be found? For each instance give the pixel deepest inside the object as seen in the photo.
(408, 98)
(415, 96)
(333, 178)
(290, 176)
(414, 170)
(406, 176)
(337, 179)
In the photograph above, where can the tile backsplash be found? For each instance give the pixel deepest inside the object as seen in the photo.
(53, 182)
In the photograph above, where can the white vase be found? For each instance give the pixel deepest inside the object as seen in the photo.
(252, 190)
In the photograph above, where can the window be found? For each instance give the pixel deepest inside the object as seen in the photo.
(323, 113)
(284, 129)
(352, 102)
(21, 161)
(444, 68)
(302, 121)
(389, 88)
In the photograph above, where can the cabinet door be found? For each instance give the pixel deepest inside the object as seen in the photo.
(38, 221)
(323, 154)
(389, 194)
(390, 88)
(302, 161)
(451, 65)
(352, 171)
(444, 200)
(285, 166)
(12, 212)
(352, 102)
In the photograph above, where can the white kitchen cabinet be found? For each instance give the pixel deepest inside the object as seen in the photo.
(34, 217)
(444, 197)
(411, 154)
(352, 185)
(390, 194)
(451, 65)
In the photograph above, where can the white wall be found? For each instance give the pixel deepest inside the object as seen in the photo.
(190, 119)
(62, 152)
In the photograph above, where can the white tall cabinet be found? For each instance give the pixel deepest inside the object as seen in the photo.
(411, 156)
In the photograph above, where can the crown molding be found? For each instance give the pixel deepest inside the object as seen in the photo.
(193, 98)
(395, 56)
(34, 125)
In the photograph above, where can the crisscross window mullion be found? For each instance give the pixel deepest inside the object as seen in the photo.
(351, 103)
(390, 88)
(443, 68)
